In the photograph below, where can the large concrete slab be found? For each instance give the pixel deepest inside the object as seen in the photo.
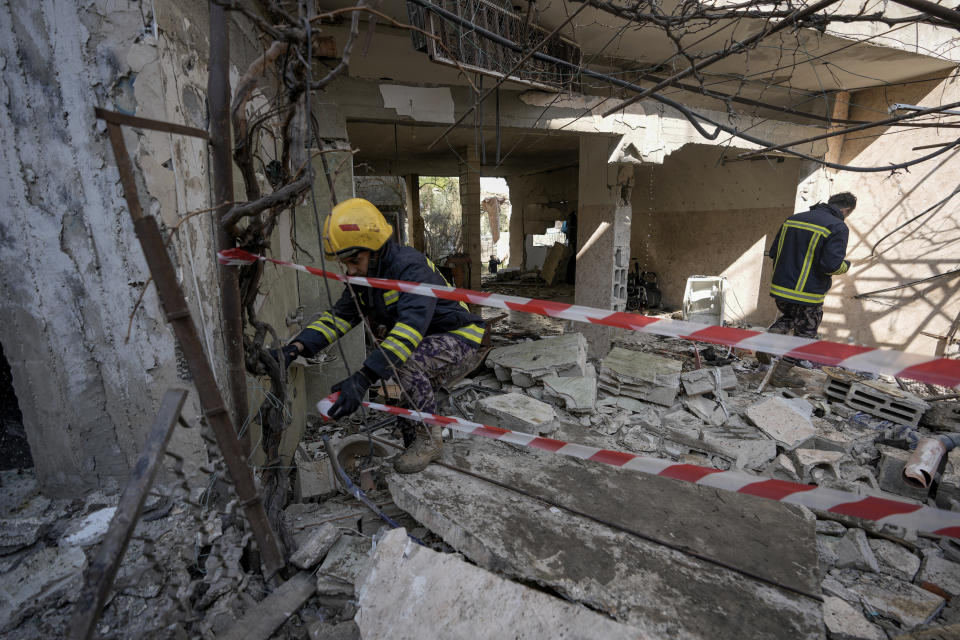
(565, 356)
(659, 589)
(412, 592)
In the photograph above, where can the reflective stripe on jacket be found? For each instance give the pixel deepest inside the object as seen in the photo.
(411, 317)
(808, 249)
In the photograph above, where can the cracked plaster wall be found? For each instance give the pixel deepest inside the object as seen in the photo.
(72, 268)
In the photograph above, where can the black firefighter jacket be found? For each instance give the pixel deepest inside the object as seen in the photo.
(808, 249)
(410, 316)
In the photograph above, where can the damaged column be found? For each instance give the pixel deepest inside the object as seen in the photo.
(470, 207)
(603, 234)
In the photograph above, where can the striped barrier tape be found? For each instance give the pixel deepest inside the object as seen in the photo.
(882, 510)
(933, 370)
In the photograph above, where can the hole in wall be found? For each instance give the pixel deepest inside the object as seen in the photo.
(14, 449)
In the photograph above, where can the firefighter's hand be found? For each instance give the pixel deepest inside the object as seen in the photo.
(351, 395)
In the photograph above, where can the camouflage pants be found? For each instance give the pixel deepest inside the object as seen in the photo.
(440, 359)
(802, 320)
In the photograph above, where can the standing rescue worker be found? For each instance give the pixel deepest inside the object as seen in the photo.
(807, 251)
(430, 342)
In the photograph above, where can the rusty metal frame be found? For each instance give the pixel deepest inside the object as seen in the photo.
(103, 569)
(178, 315)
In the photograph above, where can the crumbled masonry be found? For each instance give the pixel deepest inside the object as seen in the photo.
(615, 546)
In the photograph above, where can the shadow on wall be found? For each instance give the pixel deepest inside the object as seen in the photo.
(906, 229)
(694, 215)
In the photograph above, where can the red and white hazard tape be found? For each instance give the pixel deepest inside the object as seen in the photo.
(941, 371)
(883, 510)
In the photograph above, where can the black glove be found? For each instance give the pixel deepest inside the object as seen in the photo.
(351, 394)
(286, 355)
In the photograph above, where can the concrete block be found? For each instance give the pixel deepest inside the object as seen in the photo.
(941, 573)
(565, 356)
(517, 412)
(895, 559)
(908, 604)
(316, 546)
(702, 381)
(639, 375)
(845, 622)
(409, 591)
(345, 559)
(874, 397)
(812, 460)
(745, 447)
(782, 421)
(625, 402)
(707, 409)
(854, 552)
(576, 395)
(782, 468)
(657, 589)
(314, 478)
(890, 473)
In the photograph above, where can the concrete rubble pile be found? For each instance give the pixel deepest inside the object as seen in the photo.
(521, 542)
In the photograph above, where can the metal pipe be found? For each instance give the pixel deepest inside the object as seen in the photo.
(218, 96)
(925, 459)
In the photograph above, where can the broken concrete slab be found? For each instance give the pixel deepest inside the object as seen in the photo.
(941, 573)
(90, 530)
(844, 622)
(576, 395)
(316, 546)
(638, 439)
(518, 412)
(346, 558)
(782, 421)
(854, 552)
(410, 591)
(700, 381)
(640, 375)
(626, 402)
(527, 362)
(656, 588)
(895, 559)
(302, 520)
(707, 409)
(43, 575)
(906, 603)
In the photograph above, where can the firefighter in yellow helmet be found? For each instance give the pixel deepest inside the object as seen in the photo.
(430, 341)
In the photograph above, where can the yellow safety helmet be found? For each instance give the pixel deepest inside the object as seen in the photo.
(354, 225)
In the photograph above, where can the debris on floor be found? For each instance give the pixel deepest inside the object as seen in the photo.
(583, 546)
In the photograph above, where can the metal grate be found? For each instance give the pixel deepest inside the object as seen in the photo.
(475, 52)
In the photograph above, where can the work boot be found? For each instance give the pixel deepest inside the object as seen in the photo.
(781, 376)
(422, 452)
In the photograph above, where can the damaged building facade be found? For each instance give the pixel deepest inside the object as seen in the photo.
(694, 179)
